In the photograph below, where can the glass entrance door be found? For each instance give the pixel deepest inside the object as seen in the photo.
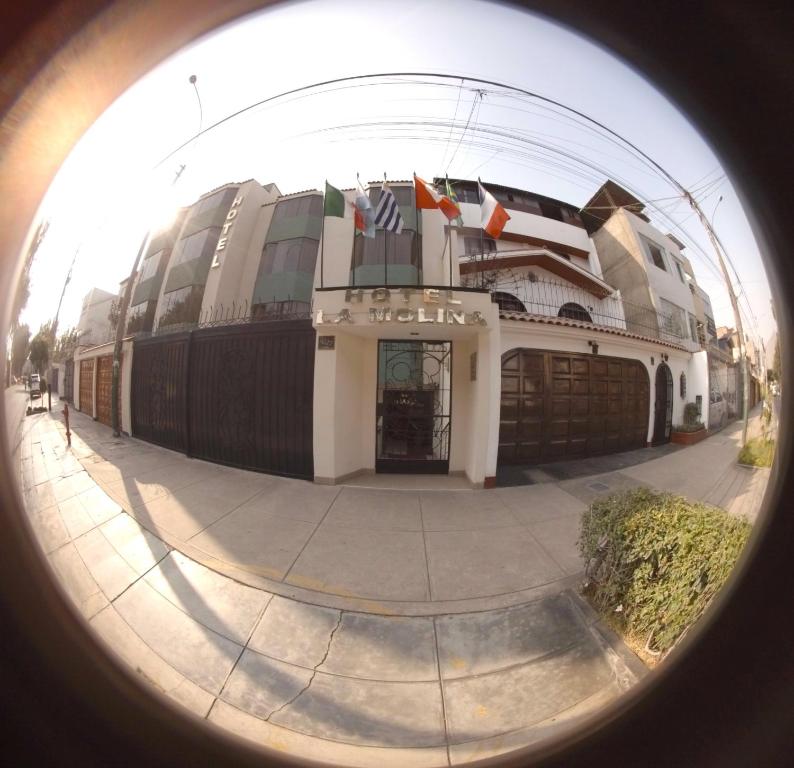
(413, 406)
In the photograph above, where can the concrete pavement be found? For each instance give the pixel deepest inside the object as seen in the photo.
(354, 625)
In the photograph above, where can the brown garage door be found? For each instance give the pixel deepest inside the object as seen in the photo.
(104, 384)
(87, 386)
(557, 405)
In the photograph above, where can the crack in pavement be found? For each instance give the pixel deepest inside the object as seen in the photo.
(314, 672)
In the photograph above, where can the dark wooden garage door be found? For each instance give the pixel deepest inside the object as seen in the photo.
(87, 386)
(104, 385)
(557, 405)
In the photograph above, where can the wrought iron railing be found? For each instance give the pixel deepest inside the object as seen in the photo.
(526, 293)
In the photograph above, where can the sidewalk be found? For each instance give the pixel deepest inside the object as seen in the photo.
(354, 625)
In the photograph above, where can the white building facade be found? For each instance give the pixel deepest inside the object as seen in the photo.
(436, 350)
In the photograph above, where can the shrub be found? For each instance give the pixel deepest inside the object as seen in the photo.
(654, 561)
(691, 415)
(758, 452)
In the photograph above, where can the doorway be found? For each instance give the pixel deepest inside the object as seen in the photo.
(414, 398)
(663, 405)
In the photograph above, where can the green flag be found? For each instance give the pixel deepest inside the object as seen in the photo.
(458, 220)
(334, 202)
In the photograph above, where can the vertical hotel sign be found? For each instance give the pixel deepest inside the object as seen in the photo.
(227, 227)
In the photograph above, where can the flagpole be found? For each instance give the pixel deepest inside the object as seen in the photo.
(482, 234)
(385, 246)
(322, 238)
(416, 231)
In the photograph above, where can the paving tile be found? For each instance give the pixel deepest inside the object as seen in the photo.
(111, 572)
(558, 536)
(294, 632)
(493, 562)
(533, 503)
(141, 549)
(293, 500)
(124, 643)
(258, 542)
(385, 565)
(566, 721)
(308, 748)
(487, 705)
(227, 607)
(461, 511)
(75, 517)
(375, 509)
(479, 643)
(130, 495)
(589, 489)
(75, 578)
(383, 648)
(367, 712)
(48, 527)
(198, 653)
(260, 685)
(98, 504)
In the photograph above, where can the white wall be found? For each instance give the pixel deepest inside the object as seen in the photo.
(232, 281)
(531, 224)
(516, 334)
(698, 382)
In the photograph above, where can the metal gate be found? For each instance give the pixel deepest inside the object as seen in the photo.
(68, 381)
(239, 395)
(104, 385)
(663, 405)
(87, 386)
(414, 400)
(159, 390)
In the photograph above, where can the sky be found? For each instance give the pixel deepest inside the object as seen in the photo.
(116, 184)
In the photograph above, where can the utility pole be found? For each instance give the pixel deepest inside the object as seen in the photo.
(121, 325)
(54, 327)
(734, 303)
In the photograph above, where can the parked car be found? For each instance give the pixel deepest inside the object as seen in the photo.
(718, 411)
(35, 386)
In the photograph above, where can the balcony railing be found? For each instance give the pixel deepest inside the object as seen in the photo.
(522, 294)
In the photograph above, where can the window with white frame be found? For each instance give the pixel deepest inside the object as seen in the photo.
(680, 270)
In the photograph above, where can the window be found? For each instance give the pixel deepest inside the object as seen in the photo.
(655, 254)
(182, 305)
(551, 210)
(308, 205)
(507, 302)
(680, 271)
(221, 199)
(474, 246)
(150, 265)
(196, 246)
(575, 311)
(372, 251)
(297, 255)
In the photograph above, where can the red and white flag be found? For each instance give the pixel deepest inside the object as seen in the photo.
(428, 197)
(494, 216)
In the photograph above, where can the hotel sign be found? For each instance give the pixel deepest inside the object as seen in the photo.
(227, 226)
(437, 307)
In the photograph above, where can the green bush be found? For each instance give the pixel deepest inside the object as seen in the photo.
(654, 560)
(758, 452)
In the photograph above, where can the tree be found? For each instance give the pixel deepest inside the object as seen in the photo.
(23, 288)
(19, 348)
(41, 346)
(65, 345)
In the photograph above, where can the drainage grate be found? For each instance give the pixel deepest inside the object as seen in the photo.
(598, 486)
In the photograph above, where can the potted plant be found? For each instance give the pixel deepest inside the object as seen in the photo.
(692, 430)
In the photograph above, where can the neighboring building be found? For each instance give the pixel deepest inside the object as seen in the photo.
(394, 353)
(94, 326)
